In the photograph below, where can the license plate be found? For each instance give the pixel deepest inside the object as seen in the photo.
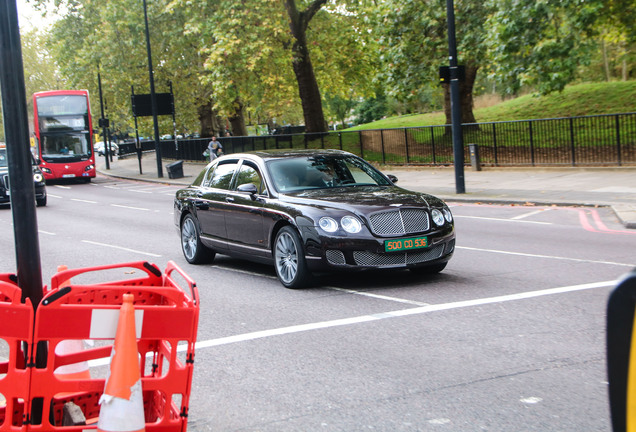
(68, 175)
(405, 244)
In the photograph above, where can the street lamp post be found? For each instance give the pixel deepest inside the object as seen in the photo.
(103, 122)
(153, 97)
(456, 113)
(16, 129)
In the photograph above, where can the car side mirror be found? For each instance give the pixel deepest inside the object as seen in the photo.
(250, 188)
(393, 178)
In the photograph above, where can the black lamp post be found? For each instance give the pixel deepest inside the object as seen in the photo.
(153, 97)
(16, 131)
(456, 113)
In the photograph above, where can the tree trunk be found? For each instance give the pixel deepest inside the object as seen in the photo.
(466, 96)
(237, 119)
(205, 119)
(307, 85)
(605, 61)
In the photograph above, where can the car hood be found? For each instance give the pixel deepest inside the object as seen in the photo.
(354, 198)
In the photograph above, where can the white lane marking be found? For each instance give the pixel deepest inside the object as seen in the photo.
(139, 191)
(120, 248)
(394, 314)
(501, 220)
(130, 207)
(46, 232)
(525, 215)
(377, 296)
(62, 187)
(531, 400)
(84, 201)
(545, 256)
(247, 272)
(53, 196)
(348, 291)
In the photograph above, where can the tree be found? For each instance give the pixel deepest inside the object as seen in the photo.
(109, 37)
(541, 43)
(413, 40)
(301, 62)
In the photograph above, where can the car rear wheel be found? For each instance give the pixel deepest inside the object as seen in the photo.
(289, 259)
(428, 270)
(194, 251)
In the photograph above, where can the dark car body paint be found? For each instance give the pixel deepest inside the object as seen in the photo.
(239, 226)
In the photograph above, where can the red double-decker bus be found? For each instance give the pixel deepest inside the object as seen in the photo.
(64, 134)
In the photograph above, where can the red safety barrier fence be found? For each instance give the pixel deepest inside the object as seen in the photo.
(85, 317)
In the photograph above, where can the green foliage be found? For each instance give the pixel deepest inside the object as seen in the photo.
(372, 109)
(575, 100)
(413, 43)
(541, 43)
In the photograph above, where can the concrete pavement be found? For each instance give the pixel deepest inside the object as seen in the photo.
(604, 187)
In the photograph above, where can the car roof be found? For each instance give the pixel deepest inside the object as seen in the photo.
(289, 153)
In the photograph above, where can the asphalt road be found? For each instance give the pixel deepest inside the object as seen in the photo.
(510, 337)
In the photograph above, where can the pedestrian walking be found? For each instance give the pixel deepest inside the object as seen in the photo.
(215, 149)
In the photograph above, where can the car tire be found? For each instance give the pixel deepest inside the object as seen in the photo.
(428, 270)
(289, 259)
(40, 202)
(194, 251)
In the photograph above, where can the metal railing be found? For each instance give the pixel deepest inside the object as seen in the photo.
(571, 141)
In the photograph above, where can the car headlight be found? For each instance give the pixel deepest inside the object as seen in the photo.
(351, 224)
(447, 215)
(89, 167)
(328, 224)
(46, 170)
(38, 178)
(438, 217)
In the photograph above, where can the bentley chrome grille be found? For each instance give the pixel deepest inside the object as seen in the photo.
(335, 257)
(399, 222)
(366, 258)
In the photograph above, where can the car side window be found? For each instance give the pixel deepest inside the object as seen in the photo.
(249, 174)
(222, 176)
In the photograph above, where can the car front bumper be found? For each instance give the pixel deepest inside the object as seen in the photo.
(327, 253)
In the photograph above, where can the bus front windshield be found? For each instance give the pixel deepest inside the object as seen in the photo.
(63, 146)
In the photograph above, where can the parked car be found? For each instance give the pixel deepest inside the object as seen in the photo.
(38, 180)
(100, 149)
(311, 211)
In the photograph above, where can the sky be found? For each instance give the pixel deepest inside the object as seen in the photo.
(29, 18)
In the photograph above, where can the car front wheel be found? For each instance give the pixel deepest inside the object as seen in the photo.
(194, 251)
(289, 259)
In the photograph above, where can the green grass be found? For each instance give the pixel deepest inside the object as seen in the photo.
(574, 100)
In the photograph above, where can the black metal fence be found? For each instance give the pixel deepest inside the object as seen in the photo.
(572, 141)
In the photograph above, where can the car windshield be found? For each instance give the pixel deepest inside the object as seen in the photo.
(64, 145)
(323, 171)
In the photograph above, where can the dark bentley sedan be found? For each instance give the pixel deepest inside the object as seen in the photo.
(311, 211)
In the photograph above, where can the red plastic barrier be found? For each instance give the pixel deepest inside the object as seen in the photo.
(16, 329)
(166, 319)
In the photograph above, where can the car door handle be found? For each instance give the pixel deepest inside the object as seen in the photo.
(229, 199)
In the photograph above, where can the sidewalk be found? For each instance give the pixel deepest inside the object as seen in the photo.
(604, 187)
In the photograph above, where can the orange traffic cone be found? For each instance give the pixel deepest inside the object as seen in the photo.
(122, 405)
(75, 370)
